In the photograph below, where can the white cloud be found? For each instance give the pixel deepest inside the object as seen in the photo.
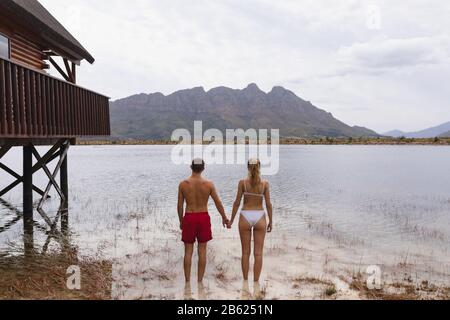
(385, 54)
(321, 49)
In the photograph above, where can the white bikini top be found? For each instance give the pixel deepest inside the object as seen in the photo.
(250, 193)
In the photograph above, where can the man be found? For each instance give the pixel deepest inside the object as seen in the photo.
(196, 224)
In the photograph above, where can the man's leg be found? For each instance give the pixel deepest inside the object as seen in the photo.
(188, 251)
(201, 260)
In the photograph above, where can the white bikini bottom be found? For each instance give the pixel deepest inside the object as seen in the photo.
(253, 216)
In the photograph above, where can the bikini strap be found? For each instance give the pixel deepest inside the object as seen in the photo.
(261, 194)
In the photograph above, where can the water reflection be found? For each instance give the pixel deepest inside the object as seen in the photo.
(28, 237)
(44, 266)
(201, 291)
(60, 235)
(17, 215)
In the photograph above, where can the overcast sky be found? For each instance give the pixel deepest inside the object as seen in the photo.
(380, 64)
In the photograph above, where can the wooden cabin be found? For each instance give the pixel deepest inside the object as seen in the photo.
(33, 103)
(35, 107)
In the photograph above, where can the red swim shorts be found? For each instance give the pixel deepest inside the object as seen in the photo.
(196, 226)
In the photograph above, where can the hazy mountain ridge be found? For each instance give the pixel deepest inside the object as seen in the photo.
(445, 135)
(442, 130)
(155, 116)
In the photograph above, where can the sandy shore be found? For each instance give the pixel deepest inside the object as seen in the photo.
(307, 268)
(138, 254)
(44, 277)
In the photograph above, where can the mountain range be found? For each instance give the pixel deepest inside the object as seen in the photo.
(442, 130)
(155, 116)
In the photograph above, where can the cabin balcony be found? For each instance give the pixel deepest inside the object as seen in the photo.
(35, 105)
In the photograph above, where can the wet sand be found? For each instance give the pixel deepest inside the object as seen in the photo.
(141, 257)
(305, 268)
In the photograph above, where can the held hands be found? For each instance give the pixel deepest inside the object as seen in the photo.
(225, 222)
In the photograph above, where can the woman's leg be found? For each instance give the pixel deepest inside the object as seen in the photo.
(259, 234)
(245, 231)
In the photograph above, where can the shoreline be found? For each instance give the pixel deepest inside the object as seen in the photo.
(288, 141)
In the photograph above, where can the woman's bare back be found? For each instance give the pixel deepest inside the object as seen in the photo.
(253, 195)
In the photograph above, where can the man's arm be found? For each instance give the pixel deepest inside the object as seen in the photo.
(219, 205)
(180, 205)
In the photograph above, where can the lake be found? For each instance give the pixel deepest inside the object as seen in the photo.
(375, 204)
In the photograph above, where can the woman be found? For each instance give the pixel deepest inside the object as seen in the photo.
(253, 218)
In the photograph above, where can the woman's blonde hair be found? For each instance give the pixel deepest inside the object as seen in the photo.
(254, 172)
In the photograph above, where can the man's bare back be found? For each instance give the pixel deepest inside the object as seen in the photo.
(196, 192)
(195, 221)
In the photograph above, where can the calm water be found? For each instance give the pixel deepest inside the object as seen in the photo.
(380, 198)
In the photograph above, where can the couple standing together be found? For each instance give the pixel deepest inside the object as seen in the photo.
(196, 223)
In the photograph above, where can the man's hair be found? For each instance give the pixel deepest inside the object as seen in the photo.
(198, 165)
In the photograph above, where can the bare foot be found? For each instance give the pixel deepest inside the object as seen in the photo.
(257, 292)
(188, 291)
(246, 295)
(201, 291)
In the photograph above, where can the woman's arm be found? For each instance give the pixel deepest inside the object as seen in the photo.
(237, 203)
(268, 207)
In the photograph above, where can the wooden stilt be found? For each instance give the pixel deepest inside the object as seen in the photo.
(63, 176)
(4, 150)
(51, 176)
(52, 154)
(28, 182)
(64, 182)
(17, 176)
(58, 151)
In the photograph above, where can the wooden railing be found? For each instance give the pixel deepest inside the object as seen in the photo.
(36, 105)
